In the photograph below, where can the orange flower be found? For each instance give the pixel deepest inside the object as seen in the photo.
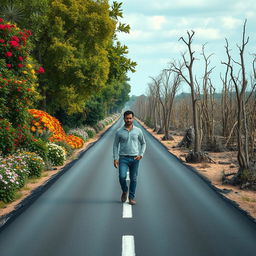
(48, 122)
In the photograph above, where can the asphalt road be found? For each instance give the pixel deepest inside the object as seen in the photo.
(177, 213)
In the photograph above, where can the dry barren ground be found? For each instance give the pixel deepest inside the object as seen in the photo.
(224, 162)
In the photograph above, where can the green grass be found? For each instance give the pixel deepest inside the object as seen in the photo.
(2, 205)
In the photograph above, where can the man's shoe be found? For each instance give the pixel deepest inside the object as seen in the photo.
(124, 197)
(132, 201)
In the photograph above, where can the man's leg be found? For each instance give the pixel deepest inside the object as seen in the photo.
(134, 165)
(123, 167)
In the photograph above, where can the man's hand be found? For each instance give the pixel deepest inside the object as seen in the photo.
(137, 157)
(116, 163)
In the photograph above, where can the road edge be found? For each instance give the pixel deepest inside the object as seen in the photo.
(205, 179)
(8, 218)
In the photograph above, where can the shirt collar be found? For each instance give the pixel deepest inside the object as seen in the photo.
(124, 128)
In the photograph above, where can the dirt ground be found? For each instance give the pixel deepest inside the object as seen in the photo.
(224, 162)
(46, 175)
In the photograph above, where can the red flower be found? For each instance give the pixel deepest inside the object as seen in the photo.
(13, 43)
(1, 40)
(1, 20)
(40, 70)
(20, 58)
(8, 65)
(19, 65)
(8, 54)
(15, 38)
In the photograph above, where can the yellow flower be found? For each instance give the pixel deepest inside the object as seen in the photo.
(33, 71)
(25, 72)
(29, 66)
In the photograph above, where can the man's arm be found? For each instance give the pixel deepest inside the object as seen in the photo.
(142, 144)
(115, 150)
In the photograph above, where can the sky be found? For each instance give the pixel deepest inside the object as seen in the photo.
(156, 27)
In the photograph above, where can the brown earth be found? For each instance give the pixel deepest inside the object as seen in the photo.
(46, 175)
(246, 199)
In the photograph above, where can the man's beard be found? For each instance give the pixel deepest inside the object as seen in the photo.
(128, 123)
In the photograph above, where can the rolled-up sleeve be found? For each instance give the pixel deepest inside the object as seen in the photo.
(142, 143)
(115, 147)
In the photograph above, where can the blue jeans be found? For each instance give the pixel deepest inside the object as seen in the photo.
(125, 163)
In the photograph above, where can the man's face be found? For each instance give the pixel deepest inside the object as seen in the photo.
(128, 119)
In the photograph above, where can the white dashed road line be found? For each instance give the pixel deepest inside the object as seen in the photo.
(128, 246)
(127, 210)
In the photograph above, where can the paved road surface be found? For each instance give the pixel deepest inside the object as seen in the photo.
(177, 213)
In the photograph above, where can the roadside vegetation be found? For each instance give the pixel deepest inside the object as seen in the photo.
(63, 79)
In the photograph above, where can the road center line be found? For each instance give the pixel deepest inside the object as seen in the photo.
(128, 246)
(127, 209)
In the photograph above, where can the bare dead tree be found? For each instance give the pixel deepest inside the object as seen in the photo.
(196, 155)
(240, 82)
(166, 90)
(207, 102)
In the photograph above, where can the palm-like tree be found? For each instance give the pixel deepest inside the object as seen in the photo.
(12, 13)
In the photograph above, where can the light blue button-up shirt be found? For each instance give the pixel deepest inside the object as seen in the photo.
(131, 142)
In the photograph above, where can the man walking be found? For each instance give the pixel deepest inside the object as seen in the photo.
(128, 149)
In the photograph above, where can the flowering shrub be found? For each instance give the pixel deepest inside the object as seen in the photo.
(43, 121)
(80, 133)
(13, 174)
(34, 163)
(90, 131)
(7, 136)
(15, 48)
(56, 154)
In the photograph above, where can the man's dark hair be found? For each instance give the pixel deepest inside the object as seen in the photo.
(128, 112)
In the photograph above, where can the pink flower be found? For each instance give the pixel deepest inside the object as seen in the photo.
(1, 20)
(20, 58)
(13, 43)
(1, 40)
(8, 54)
(8, 65)
(40, 70)
(19, 65)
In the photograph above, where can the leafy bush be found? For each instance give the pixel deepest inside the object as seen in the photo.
(79, 132)
(37, 146)
(90, 131)
(56, 154)
(34, 163)
(7, 137)
(68, 149)
(17, 164)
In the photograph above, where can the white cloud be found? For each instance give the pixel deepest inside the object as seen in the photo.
(230, 22)
(208, 33)
(157, 22)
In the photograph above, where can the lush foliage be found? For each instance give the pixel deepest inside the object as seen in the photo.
(13, 174)
(80, 133)
(34, 163)
(43, 121)
(77, 43)
(90, 131)
(7, 136)
(56, 154)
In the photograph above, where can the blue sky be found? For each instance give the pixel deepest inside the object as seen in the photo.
(156, 27)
